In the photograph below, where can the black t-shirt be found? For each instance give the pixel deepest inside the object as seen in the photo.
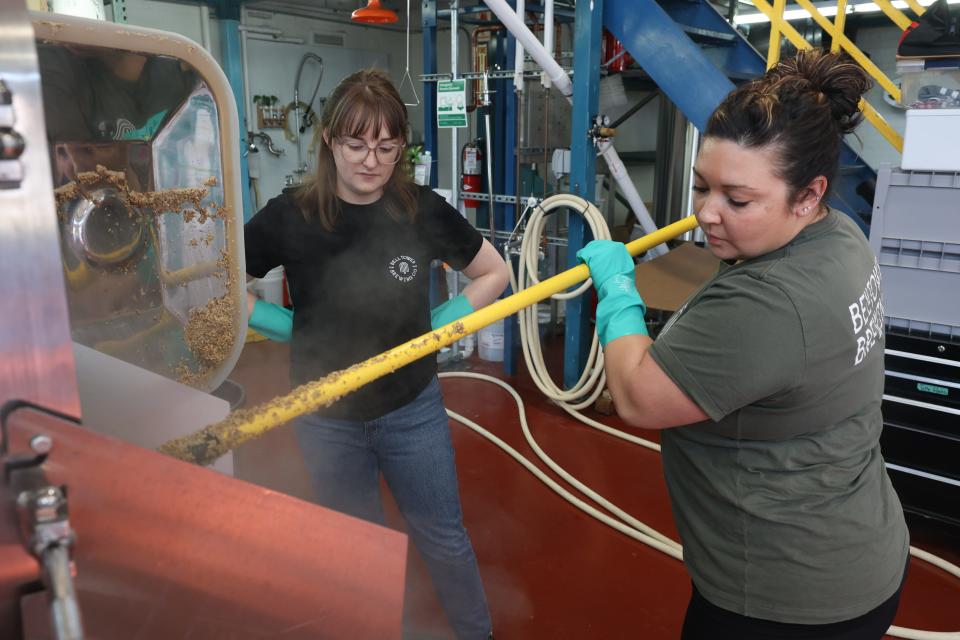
(361, 289)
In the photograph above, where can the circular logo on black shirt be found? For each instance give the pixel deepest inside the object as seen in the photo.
(403, 268)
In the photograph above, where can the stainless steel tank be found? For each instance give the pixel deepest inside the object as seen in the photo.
(143, 136)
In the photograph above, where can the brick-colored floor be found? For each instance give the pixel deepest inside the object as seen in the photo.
(550, 571)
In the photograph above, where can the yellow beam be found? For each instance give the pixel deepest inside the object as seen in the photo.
(839, 24)
(213, 441)
(916, 7)
(791, 34)
(776, 26)
(853, 50)
(800, 42)
(898, 17)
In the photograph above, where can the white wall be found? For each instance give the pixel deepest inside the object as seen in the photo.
(274, 64)
(166, 16)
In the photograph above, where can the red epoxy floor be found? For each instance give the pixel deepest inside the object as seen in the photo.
(551, 571)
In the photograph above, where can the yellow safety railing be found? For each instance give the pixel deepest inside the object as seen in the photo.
(779, 27)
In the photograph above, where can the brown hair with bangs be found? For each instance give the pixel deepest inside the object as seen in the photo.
(365, 101)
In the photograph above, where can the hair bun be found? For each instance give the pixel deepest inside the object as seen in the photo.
(834, 76)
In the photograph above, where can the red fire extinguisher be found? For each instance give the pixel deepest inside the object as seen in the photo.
(613, 55)
(472, 169)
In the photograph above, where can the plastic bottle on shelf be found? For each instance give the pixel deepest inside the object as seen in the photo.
(421, 170)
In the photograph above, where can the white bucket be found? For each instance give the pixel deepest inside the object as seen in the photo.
(270, 287)
(491, 342)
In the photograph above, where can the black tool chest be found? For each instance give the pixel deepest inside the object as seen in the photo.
(921, 434)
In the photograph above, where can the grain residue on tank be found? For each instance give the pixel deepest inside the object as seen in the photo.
(210, 329)
(205, 446)
(163, 201)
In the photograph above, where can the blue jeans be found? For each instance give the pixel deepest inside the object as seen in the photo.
(411, 447)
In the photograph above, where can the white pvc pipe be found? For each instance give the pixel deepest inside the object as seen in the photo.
(244, 62)
(265, 37)
(525, 37)
(547, 38)
(518, 58)
(561, 80)
(619, 174)
(266, 30)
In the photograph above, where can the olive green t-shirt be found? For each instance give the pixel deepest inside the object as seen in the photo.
(782, 500)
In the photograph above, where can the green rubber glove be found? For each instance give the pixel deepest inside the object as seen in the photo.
(272, 321)
(452, 309)
(620, 309)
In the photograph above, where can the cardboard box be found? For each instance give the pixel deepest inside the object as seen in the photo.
(667, 281)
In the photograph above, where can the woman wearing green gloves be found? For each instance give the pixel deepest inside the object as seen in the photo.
(771, 375)
(356, 242)
(276, 323)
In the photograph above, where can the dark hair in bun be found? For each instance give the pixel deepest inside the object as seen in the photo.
(803, 106)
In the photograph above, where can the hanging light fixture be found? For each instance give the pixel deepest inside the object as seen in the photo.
(373, 13)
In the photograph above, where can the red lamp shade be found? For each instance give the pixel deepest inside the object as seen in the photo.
(373, 13)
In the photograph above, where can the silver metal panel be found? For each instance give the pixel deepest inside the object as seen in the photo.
(36, 354)
(140, 407)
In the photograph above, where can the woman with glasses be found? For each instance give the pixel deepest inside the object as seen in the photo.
(356, 241)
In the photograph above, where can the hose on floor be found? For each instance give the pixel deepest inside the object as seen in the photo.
(593, 380)
(584, 393)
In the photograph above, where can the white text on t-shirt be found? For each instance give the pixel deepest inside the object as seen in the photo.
(866, 314)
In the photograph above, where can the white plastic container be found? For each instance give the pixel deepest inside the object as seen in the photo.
(421, 170)
(491, 342)
(269, 288)
(931, 140)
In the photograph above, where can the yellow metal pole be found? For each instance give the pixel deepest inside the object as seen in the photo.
(213, 441)
(839, 24)
(898, 17)
(848, 46)
(776, 20)
(916, 7)
(799, 42)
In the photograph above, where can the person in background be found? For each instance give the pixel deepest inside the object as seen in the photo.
(767, 383)
(96, 95)
(356, 241)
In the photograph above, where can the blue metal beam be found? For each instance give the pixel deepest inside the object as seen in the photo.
(233, 68)
(429, 24)
(671, 59)
(583, 164)
(738, 59)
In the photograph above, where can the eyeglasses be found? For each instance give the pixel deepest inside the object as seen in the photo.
(356, 151)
